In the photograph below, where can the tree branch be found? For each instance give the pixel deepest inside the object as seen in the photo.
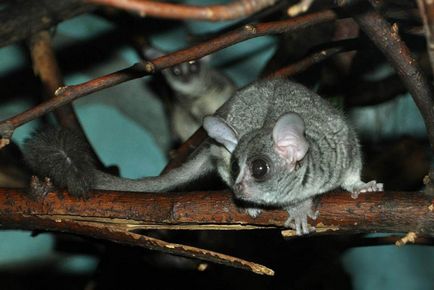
(232, 11)
(387, 39)
(119, 216)
(371, 212)
(305, 63)
(68, 94)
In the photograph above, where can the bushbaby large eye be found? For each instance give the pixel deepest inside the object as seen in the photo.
(260, 168)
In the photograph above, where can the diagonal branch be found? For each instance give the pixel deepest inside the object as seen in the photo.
(68, 94)
(386, 38)
(232, 11)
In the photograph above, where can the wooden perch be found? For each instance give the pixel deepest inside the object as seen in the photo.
(232, 11)
(114, 215)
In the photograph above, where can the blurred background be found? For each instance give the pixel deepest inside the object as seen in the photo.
(129, 127)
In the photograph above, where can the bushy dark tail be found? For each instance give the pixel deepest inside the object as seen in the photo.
(62, 155)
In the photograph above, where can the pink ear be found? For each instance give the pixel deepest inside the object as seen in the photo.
(289, 140)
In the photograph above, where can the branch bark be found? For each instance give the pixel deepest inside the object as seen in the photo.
(386, 38)
(68, 94)
(232, 11)
(371, 212)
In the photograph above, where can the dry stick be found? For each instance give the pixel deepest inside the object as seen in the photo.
(234, 10)
(120, 234)
(305, 63)
(387, 39)
(67, 94)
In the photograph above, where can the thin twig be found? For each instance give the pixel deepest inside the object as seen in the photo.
(234, 10)
(67, 94)
(305, 63)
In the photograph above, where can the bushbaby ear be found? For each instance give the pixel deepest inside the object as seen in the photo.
(220, 131)
(289, 140)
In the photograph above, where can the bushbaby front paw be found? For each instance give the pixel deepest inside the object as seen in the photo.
(40, 188)
(253, 212)
(297, 217)
(370, 186)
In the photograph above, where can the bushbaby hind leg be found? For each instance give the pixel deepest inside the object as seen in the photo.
(355, 185)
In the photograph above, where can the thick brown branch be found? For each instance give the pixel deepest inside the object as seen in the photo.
(22, 18)
(371, 212)
(234, 10)
(118, 217)
(67, 94)
(387, 39)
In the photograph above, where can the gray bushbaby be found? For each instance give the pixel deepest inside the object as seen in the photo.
(274, 143)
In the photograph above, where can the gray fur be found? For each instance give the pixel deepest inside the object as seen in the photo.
(331, 159)
(62, 155)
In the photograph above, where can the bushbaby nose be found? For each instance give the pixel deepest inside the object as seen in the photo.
(239, 187)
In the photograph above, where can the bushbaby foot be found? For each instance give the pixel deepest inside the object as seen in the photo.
(253, 212)
(39, 189)
(370, 186)
(297, 217)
